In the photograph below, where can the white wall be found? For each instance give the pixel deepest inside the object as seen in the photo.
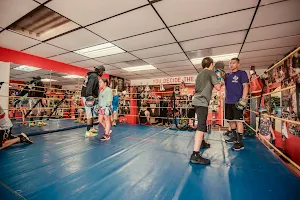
(4, 91)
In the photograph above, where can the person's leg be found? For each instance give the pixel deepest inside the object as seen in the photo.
(239, 118)
(90, 122)
(107, 125)
(101, 121)
(196, 158)
(9, 139)
(107, 115)
(147, 114)
(229, 115)
(9, 143)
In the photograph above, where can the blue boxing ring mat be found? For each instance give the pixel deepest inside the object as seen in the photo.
(139, 163)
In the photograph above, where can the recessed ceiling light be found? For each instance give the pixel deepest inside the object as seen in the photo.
(224, 57)
(48, 80)
(139, 68)
(100, 50)
(72, 76)
(26, 68)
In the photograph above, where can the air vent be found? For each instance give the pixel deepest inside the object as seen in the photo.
(134, 63)
(43, 23)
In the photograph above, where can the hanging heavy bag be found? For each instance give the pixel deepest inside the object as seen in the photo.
(256, 85)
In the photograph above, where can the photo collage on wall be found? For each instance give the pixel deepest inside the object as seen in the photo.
(289, 108)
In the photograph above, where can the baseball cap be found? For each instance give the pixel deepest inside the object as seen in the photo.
(100, 68)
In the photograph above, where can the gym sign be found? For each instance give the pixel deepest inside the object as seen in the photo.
(165, 81)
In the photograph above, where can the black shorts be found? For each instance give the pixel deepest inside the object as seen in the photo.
(4, 136)
(202, 113)
(233, 114)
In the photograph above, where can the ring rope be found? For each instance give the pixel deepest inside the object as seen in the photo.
(275, 91)
(275, 148)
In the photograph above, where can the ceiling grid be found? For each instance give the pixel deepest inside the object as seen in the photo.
(163, 34)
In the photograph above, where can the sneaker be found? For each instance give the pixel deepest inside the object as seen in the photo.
(204, 145)
(105, 138)
(90, 134)
(227, 133)
(93, 130)
(238, 146)
(10, 137)
(25, 139)
(31, 124)
(231, 140)
(196, 158)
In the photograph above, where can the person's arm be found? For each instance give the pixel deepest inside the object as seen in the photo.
(272, 131)
(90, 86)
(217, 84)
(245, 82)
(110, 98)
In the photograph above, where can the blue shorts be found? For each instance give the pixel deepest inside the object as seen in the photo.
(115, 108)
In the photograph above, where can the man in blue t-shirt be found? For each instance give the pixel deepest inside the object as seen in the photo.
(237, 88)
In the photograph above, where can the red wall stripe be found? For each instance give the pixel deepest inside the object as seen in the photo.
(17, 57)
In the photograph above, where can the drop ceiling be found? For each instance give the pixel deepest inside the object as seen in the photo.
(162, 34)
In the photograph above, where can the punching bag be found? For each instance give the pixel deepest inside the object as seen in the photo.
(256, 85)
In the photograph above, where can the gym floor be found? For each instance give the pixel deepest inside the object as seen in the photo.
(141, 163)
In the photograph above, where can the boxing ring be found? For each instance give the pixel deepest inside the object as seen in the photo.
(141, 162)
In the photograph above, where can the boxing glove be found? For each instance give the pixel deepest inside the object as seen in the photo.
(221, 75)
(241, 104)
(90, 101)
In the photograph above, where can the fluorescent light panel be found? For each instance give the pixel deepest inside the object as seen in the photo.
(48, 80)
(224, 57)
(26, 68)
(72, 76)
(139, 68)
(100, 50)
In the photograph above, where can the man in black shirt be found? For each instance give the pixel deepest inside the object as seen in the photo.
(90, 91)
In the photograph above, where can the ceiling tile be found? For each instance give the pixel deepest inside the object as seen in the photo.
(116, 58)
(168, 58)
(147, 72)
(181, 68)
(257, 64)
(274, 31)
(277, 13)
(121, 65)
(173, 64)
(158, 51)
(214, 41)
(44, 50)
(265, 2)
(273, 43)
(180, 11)
(41, 1)
(185, 72)
(12, 10)
(268, 52)
(261, 59)
(75, 40)
(146, 40)
(215, 51)
(68, 57)
(87, 63)
(215, 25)
(15, 41)
(132, 23)
(90, 11)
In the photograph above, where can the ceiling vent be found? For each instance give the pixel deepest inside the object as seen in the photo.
(42, 23)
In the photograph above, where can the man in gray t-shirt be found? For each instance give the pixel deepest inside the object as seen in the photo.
(205, 82)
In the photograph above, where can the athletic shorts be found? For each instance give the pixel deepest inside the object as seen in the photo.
(202, 113)
(88, 110)
(115, 108)
(233, 114)
(4, 136)
(107, 111)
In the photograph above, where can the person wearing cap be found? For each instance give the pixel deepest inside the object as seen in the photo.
(36, 92)
(90, 91)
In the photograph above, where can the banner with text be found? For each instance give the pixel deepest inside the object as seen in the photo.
(164, 81)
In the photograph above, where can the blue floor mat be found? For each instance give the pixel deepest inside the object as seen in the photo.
(141, 162)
